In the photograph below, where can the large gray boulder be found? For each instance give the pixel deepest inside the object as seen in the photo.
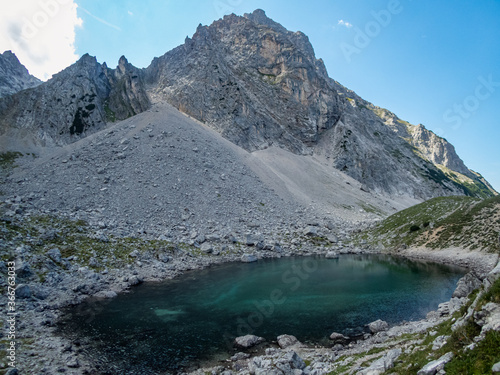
(285, 341)
(248, 341)
(382, 364)
(378, 326)
(433, 367)
(466, 285)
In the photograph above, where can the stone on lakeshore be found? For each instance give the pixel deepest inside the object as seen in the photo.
(284, 341)
(466, 285)
(248, 341)
(248, 258)
(107, 294)
(339, 338)
(332, 255)
(378, 326)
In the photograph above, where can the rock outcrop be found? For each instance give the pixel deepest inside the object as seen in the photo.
(76, 102)
(14, 76)
(261, 85)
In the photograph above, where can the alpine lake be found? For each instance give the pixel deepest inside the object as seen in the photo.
(176, 324)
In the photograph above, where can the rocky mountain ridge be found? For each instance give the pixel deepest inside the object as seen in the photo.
(14, 76)
(76, 102)
(259, 86)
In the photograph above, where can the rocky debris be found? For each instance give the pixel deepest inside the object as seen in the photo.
(287, 363)
(248, 341)
(285, 341)
(378, 326)
(248, 258)
(488, 318)
(434, 367)
(339, 338)
(382, 364)
(451, 306)
(14, 76)
(466, 285)
(439, 342)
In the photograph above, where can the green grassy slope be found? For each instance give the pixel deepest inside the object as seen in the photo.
(442, 222)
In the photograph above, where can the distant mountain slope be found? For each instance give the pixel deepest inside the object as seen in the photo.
(14, 76)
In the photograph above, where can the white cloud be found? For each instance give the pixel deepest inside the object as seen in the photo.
(344, 23)
(130, 13)
(41, 33)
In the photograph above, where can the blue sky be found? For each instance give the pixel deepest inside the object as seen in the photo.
(433, 62)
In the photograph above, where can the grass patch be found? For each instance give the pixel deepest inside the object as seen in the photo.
(442, 222)
(478, 361)
(8, 159)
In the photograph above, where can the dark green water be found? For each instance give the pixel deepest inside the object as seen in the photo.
(160, 327)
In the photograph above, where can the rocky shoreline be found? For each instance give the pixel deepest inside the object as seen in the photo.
(43, 350)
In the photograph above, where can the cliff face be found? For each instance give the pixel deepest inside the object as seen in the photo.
(74, 103)
(14, 76)
(260, 85)
(256, 83)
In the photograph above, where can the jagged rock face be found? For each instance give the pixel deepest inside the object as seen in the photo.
(260, 85)
(14, 76)
(74, 103)
(250, 79)
(128, 96)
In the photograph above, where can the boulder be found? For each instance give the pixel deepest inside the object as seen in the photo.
(206, 247)
(339, 338)
(106, 294)
(383, 364)
(496, 368)
(55, 254)
(134, 280)
(311, 231)
(284, 341)
(488, 318)
(253, 239)
(433, 367)
(248, 341)
(378, 326)
(332, 255)
(23, 291)
(248, 258)
(466, 285)
(439, 342)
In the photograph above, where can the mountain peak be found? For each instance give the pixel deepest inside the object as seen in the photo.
(259, 17)
(14, 76)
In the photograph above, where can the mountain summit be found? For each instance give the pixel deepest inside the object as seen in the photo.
(260, 86)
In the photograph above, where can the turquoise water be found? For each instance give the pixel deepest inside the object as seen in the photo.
(161, 327)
